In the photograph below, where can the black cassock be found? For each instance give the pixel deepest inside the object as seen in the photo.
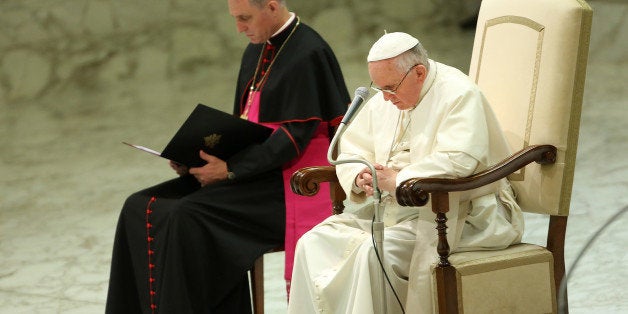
(182, 248)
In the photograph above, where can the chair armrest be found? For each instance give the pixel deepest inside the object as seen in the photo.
(415, 191)
(306, 181)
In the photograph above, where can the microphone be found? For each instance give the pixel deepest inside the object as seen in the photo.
(356, 105)
(378, 226)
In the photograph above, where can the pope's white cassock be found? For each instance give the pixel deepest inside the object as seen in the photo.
(452, 132)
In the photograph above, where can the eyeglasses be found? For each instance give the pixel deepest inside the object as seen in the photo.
(394, 90)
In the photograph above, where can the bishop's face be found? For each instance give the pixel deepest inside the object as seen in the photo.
(257, 23)
(401, 87)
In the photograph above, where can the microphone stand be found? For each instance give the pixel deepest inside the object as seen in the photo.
(378, 224)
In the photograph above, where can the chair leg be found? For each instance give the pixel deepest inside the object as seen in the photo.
(257, 285)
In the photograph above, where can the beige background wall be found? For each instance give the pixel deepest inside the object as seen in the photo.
(91, 45)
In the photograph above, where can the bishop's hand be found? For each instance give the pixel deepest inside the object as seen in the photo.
(215, 170)
(179, 168)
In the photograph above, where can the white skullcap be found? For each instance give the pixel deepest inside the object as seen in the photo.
(391, 45)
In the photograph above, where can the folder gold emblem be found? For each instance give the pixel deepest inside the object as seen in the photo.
(212, 140)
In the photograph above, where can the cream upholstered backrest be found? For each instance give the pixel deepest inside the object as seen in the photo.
(529, 58)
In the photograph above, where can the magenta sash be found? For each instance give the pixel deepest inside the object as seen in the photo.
(302, 212)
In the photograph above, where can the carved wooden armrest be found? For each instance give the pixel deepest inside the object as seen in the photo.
(306, 181)
(415, 191)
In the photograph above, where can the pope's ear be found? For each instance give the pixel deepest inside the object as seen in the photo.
(421, 71)
(273, 5)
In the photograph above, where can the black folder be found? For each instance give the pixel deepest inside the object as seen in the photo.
(213, 131)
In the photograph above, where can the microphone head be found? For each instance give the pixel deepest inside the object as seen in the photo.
(356, 105)
(362, 92)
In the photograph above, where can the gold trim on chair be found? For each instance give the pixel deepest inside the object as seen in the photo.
(512, 19)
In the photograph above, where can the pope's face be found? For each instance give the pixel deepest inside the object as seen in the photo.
(258, 24)
(401, 87)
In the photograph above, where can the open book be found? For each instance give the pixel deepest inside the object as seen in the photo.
(215, 132)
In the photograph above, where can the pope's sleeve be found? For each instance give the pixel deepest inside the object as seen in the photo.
(461, 142)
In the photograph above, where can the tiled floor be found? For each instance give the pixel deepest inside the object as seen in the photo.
(64, 175)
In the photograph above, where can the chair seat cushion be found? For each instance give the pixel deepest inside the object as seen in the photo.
(518, 279)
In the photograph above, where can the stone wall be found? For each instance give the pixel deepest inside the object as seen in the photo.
(91, 45)
(192, 46)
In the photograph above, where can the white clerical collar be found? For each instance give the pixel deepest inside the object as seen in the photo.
(285, 25)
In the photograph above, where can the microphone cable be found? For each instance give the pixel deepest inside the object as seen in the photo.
(381, 265)
(563, 283)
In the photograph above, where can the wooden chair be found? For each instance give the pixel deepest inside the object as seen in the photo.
(529, 58)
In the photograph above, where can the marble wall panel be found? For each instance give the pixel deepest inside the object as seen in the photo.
(91, 44)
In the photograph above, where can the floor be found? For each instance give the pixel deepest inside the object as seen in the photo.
(64, 176)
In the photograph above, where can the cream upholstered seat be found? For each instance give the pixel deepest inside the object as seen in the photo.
(529, 58)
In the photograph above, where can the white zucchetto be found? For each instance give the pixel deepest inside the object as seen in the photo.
(391, 45)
